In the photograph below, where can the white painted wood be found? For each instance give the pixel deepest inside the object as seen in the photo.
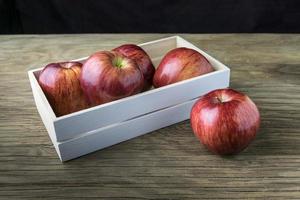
(158, 48)
(123, 131)
(44, 109)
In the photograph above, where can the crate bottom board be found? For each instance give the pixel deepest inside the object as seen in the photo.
(111, 135)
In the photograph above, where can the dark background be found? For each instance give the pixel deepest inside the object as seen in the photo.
(152, 16)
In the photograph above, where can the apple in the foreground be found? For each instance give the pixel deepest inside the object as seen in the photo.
(107, 76)
(180, 64)
(61, 85)
(143, 60)
(225, 121)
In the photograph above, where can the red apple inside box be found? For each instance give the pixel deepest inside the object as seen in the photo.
(103, 125)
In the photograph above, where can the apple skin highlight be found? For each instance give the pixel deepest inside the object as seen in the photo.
(225, 121)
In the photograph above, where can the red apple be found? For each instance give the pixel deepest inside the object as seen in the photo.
(108, 76)
(61, 85)
(143, 60)
(180, 64)
(225, 121)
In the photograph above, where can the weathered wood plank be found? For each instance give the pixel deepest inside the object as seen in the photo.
(168, 163)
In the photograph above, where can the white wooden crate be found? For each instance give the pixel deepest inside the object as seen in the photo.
(101, 126)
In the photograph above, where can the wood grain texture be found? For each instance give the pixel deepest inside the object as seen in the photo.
(168, 163)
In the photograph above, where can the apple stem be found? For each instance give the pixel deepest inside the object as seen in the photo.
(66, 65)
(219, 99)
(118, 62)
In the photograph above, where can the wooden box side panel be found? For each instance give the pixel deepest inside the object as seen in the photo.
(124, 131)
(44, 109)
(158, 48)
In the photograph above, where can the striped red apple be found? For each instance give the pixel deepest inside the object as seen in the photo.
(180, 64)
(225, 121)
(61, 85)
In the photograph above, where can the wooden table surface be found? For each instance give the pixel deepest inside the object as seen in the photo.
(166, 164)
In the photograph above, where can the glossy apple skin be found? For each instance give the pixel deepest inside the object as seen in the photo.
(61, 85)
(143, 60)
(180, 64)
(102, 81)
(225, 121)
